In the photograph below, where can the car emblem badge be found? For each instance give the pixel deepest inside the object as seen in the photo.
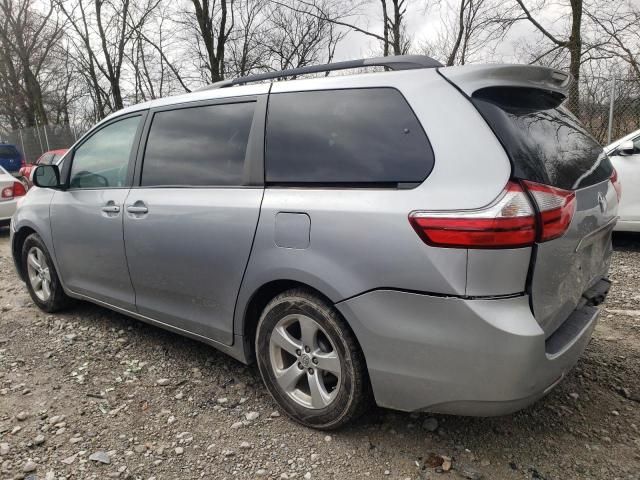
(305, 360)
(602, 201)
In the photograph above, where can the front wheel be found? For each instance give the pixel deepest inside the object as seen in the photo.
(310, 361)
(43, 282)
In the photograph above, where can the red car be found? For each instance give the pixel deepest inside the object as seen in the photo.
(47, 158)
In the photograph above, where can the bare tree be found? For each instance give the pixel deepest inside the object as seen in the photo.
(467, 30)
(105, 29)
(296, 38)
(350, 15)
(571, 40)
(212, 21)
(247, 51)
(619, 23)
(27, 38)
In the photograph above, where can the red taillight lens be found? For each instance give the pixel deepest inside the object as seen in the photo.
(616, 183)
(18, 189)
(507, 223)
(556, 207)
(510, 222)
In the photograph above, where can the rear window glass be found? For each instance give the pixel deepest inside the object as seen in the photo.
(198, 146)
(356, 136)
(546, 142)
(8, 151)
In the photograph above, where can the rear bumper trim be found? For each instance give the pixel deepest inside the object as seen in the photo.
(572, 329)
(465, 357)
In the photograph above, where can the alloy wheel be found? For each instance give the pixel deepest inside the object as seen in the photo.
(39, 274)
(305, 362)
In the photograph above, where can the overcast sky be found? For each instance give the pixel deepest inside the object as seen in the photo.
(424, 25)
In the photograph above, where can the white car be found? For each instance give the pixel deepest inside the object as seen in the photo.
(625, 157)
(11, 189)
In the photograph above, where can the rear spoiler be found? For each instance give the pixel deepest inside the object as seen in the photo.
(471, 78)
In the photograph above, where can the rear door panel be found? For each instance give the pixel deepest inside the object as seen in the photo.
(569, 265)
(187, 255)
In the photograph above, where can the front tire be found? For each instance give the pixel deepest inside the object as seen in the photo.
(310, 361)
(43, 282)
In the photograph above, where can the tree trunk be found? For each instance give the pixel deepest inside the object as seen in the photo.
(385, 28)
(575, 54)
(397, 27)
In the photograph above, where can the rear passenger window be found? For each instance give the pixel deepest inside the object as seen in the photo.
(356, 136)
(198, 146)
(545, 141)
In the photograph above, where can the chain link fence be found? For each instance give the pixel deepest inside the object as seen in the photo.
(34, 141)
(609, 107)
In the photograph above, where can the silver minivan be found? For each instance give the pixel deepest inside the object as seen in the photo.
(428, 238)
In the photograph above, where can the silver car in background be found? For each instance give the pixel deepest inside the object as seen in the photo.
(427, 238)
(11, 191)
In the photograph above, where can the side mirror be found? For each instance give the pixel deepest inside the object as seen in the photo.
(626, 148)
(46, 176)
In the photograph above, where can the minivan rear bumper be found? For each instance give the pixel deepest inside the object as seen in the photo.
(480, 357)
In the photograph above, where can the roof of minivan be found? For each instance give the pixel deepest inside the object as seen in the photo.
(468, 77)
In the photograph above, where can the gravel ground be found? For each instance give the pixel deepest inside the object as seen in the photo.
(93, 394)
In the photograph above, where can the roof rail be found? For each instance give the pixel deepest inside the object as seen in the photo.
(398, 62)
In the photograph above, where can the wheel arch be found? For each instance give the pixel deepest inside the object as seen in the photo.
(19, 238)
(259, 300)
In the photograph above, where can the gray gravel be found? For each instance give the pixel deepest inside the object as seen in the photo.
(93, 394)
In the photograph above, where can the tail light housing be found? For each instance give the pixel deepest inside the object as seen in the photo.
(556, 207)
(509, 222)
(616, 183)
(15, 190)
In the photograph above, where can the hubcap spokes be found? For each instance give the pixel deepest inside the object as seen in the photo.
(39, 275)
(305, 362)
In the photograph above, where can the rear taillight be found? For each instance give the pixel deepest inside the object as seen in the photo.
(507, 223)
(510, 222)
(616, 183)
(16, 190)
(556, 207)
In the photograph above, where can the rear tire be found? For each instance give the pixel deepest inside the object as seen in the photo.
(310, 361)
(42, 279)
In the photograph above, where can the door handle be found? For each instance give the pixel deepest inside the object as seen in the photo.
(111, 209)
(137, 209)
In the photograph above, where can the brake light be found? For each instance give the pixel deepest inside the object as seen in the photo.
(510, 222)
(18, 189)
(507, 223)
(616, 183)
